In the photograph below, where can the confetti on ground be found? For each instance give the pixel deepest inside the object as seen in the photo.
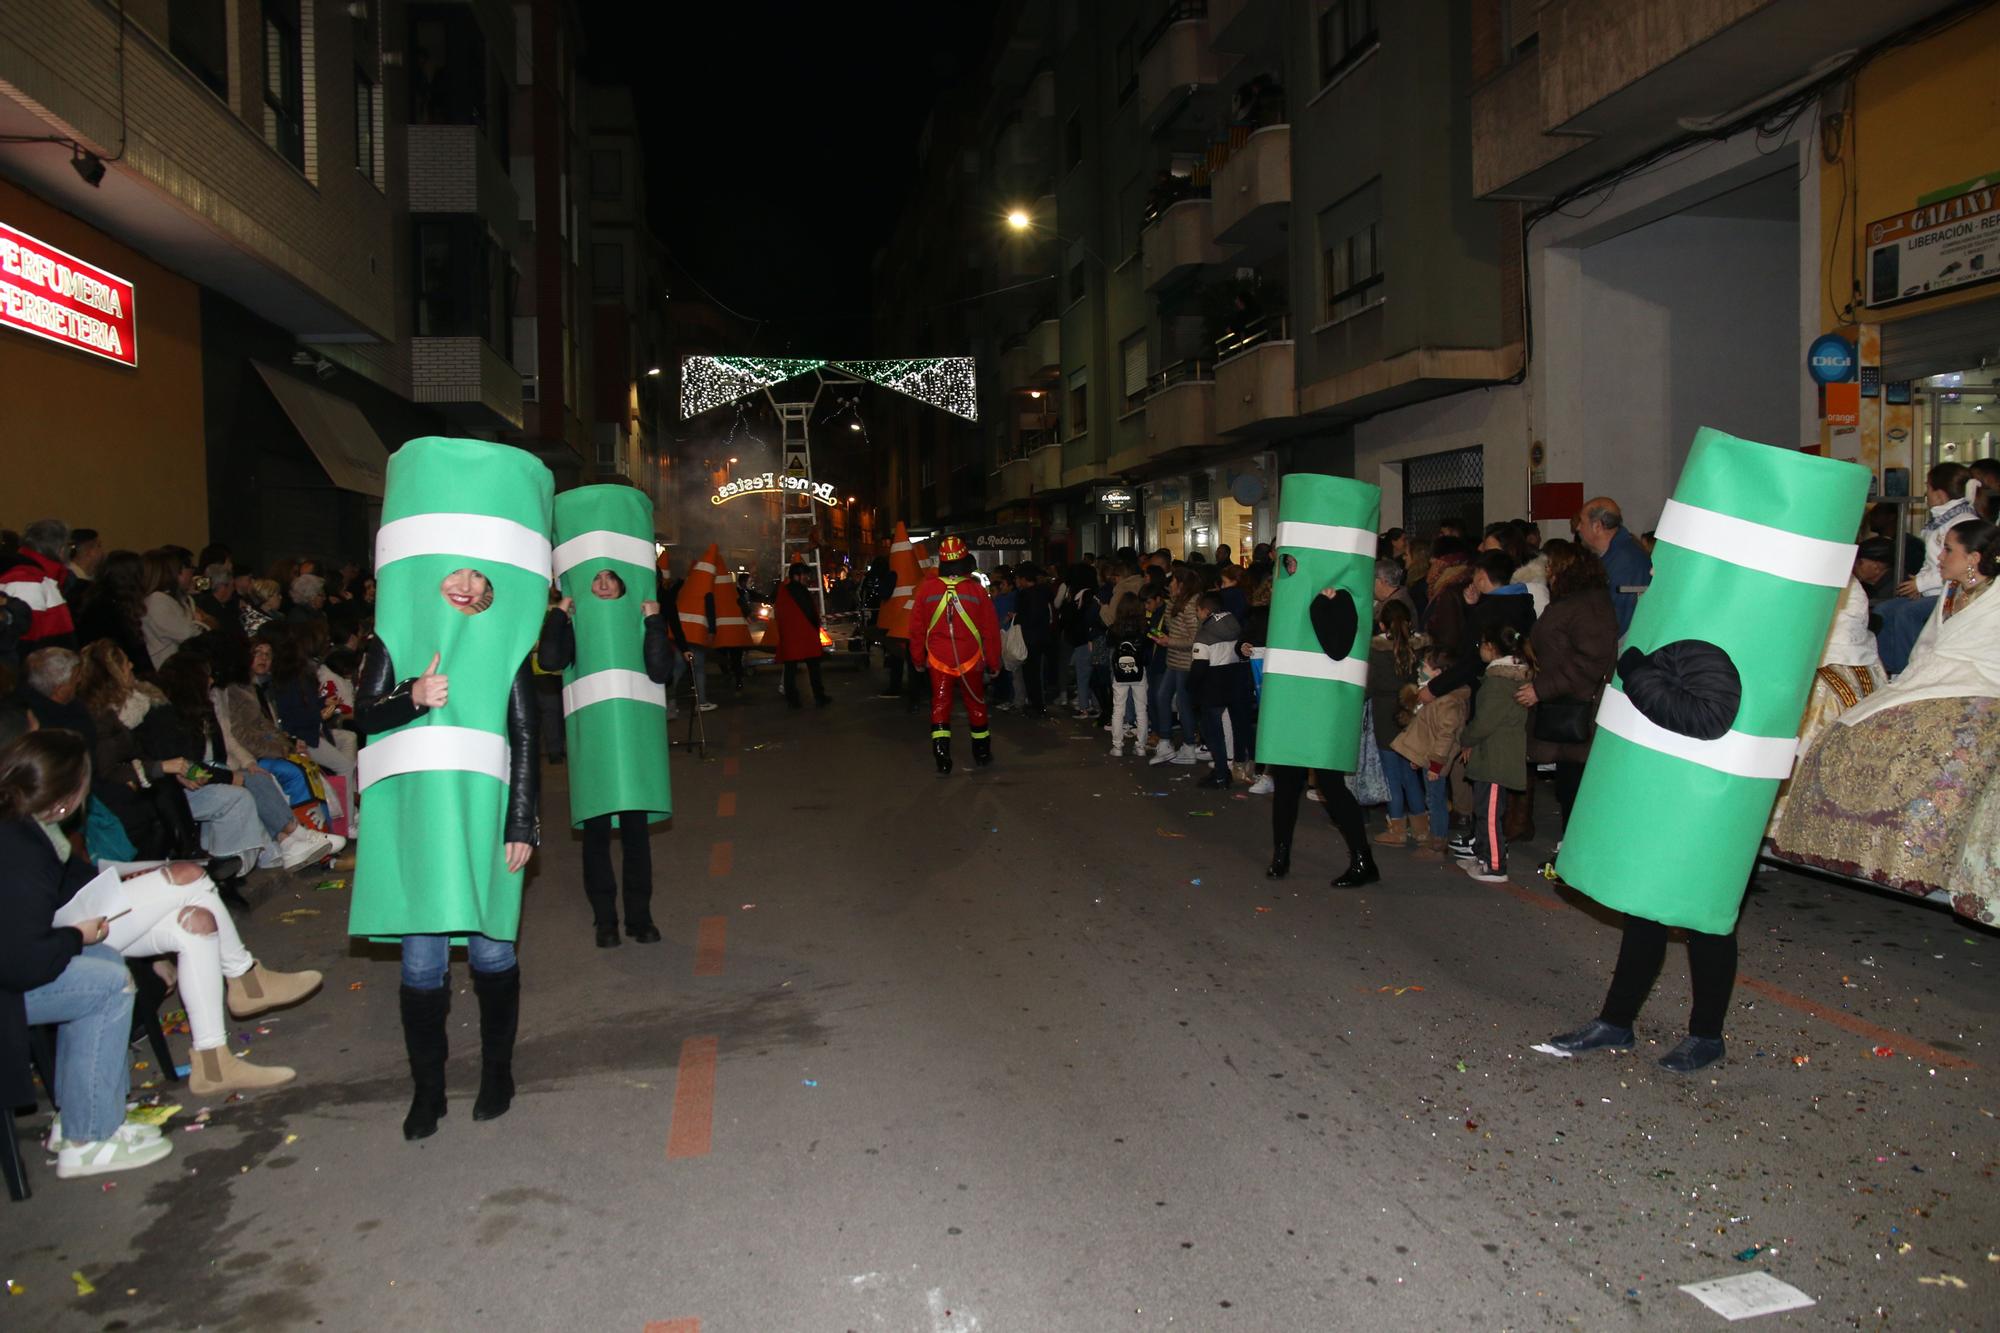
(1168, 833)
(108, 1186)
(328, 885)
(1399, 990)
(1884, 1052)
(1195, 882)
(1745, 1256)
(1802, 1059)
(83, 1287)
(810, 1082)
(14, 1288)
(1263, 909)
(1461, 1066)
(747, 907)
(1944, 1280)
(290, 1139)
(1202, 814)
(354, 985)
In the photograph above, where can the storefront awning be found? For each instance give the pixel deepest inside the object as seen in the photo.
(334, 429)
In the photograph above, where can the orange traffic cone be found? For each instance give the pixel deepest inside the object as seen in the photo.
(894, 617)
(692, 603)
(732, 628)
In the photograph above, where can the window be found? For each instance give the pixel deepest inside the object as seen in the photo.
(284, 82)
(198, 35)
(1079, 403)
(1078, 276)
(1347, 33)
(607, 268)
(449, 77)
(364, 124)
(1350, 253)
(1132, 354)
(465, 284)
(607, 173)
(1072, 141)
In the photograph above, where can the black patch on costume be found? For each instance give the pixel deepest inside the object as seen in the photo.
(1689, 687)
(1335, 623)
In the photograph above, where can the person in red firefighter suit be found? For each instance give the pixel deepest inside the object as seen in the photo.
(955, 634)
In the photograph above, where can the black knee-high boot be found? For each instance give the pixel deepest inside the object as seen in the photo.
(1289, 785)
(499, 1016)
(424, 1012)
(1345, 812)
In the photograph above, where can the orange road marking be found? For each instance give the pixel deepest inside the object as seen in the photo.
(708, 942)
(1530, 897)
(1901, 1043)
(673, 1326)
(725, 805)
(731, 767)
(694, 1100)
(721, 857)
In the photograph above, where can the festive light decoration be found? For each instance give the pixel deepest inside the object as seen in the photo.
(946, 382)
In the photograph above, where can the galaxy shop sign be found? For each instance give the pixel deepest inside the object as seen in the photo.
(49, 294)
(1950, 243)
(770, 483)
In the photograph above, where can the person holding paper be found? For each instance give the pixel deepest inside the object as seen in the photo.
(62, 974)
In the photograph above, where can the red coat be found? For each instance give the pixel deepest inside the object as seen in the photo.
(944, 641)
(798, 623)
(37, 580)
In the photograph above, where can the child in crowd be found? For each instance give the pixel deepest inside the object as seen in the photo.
(1002, 593)
(1217, 668)
(1494, 746)
(1428, 741)
(1130, 651)
(1392, 668)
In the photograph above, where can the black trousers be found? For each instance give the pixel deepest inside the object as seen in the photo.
(895, 657)
(1033, 681)
(599, 886)
(1569, 778)
(1341, 807)
(811, 665)
(1711, 969)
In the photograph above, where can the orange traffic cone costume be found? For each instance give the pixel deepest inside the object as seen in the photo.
(894, 617)
(956, 634)
(693, 605)
(732, 627)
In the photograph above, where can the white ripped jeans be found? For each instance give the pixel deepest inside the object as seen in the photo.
(157, 925)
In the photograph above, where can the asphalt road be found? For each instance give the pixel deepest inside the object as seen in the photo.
(1041, 1049)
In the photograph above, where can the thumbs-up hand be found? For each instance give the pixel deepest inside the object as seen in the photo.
(431, 689)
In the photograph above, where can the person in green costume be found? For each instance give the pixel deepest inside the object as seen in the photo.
(1316, 660)
(452, 766)
(616, 715)
(1700, 724)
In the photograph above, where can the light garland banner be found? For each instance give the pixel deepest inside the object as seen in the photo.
(771, 483)
(946, 382)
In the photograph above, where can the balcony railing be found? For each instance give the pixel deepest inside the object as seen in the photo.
(1176, 11)
(1243, 337)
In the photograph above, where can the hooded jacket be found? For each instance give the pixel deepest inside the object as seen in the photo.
(1497, 735)
(1216, 664)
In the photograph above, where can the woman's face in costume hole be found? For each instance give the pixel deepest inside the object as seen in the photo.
(467, 591)
(607, 586)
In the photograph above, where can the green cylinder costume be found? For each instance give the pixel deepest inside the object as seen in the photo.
(1753, 552)
(616, 716)
(1310, 713)
(434, 860)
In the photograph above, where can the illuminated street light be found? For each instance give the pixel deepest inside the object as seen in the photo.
(1019, 220)
(854, 425)
(654, 371)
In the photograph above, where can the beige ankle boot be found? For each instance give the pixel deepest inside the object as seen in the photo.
(216, 1072)
(1396, 835)
(260, 989)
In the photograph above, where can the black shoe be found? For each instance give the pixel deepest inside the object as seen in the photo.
(646, 934)
(225, 868)
(1460, 844)
(1214, 780)
(1693, 1053)
(1361, 870)
(424, 1013)
(982, 750)
(941, 751)
(607, 937)
(1596, 1035)
(499, 1016)
(1281, 861)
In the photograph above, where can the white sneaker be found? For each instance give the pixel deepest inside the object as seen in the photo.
(138, 1133)
(123, 1151)
(302, 846)
(1117, 752)
(1187, 754)
(1263, 786)
(1201, 753)
(1163, 754)
(1312, 794)
(710, 708)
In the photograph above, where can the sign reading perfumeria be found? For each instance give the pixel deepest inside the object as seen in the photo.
(1934, 248)
(53, 295)
(769, 483)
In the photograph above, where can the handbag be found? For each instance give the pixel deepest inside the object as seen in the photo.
(1013, 647)
(1565, 721)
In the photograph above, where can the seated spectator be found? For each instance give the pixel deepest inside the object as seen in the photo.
(1850, 670)
(48, 688)
(62, 974)
(169, 619)
(1952, 493)
(115, 609)
(34, 575)
(302, 708)
(262, 606)
(1901, 791)
(86, 557)
(1871, 568)
(141, 793)
(308, 598)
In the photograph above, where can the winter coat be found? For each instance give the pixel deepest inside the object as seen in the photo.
(1575, 647)
(253, 727)
(1497, 735)
(1132, 585)
(1385, 686)
(1431, 735)
(798, 623)
(1626, 565)
(945, 642)
(1217, 667)
(1031, 612)
(1510, 605)
(34, 883)
(1444, 611)
(36, 580)
(1181, 628)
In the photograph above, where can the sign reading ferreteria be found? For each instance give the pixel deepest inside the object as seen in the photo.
(1935, 247)
(772, 483)
(48, 293)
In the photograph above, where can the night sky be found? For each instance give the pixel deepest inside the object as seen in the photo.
(782, 142)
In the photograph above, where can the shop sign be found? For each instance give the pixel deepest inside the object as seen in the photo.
(1117, 500)
(1830, 360)
(1843, 404)
(770, 483)
(49, 294)
(1011, 538)
(1936, 247)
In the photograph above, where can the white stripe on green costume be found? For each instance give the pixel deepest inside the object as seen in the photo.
(1751, 557)
(1309, 712)
(614, 714)
(434, 860)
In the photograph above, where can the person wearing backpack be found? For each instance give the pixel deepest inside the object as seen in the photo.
(1131, 651)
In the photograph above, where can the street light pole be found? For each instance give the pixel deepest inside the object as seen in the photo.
(1019, 219)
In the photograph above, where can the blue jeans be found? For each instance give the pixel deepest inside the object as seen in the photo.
(1903, 620)
(92, 1001)
(1159, 702)
(1177, 681)
(427, 958)
(1406, 784)
(1079, 665)
(1437, 799)
(272, 807)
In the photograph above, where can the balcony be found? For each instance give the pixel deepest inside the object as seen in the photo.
(453, 169)
(1245, 27)
(1180, 241)
(1177, 63)
(1256, 387)
(1251, 193)
(1045, 468)
(1013, 481)
(1607, 83)
(1180, 409)
(474, 385)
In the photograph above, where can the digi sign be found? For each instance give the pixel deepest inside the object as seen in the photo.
(50, 294)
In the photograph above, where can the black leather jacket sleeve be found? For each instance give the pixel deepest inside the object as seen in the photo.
(659, 649)
(524, 755)
(558, 646)
(381, 702)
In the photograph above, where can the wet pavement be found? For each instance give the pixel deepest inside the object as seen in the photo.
(1041, 1048)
